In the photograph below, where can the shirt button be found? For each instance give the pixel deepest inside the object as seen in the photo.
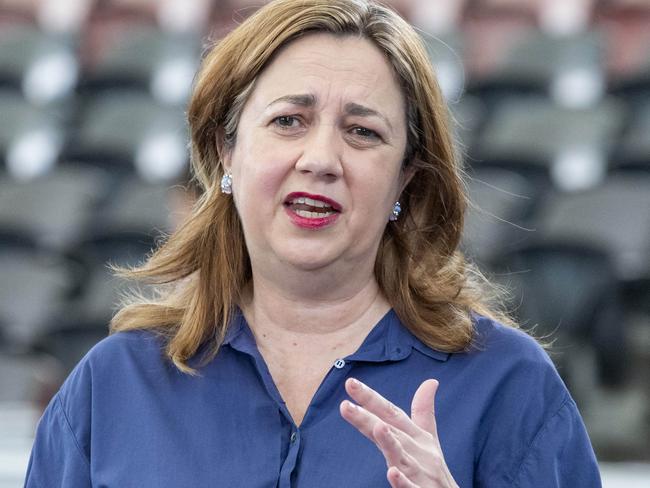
(339, 363)
(293, 437)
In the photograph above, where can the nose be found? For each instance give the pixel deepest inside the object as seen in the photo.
(321, 155)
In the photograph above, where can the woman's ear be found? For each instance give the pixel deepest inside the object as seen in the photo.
(225, 152)
(407, 175)
(226, 159)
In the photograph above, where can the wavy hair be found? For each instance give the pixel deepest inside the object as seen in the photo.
(200, 272)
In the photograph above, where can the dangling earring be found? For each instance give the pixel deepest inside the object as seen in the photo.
(226, 183)
(397, 209)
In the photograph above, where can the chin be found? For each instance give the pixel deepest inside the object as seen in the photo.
(307, 257)
(307, 262)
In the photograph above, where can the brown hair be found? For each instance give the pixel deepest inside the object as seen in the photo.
(202, 269)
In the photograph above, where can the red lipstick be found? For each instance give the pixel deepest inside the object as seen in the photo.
(298, 203)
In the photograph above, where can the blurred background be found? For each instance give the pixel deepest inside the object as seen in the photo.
(551, 102)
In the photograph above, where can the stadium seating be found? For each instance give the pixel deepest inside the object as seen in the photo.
(33, 291)
(53, 209)
(499, 216)
(570, 146)
(548, 100)
(569, 295)
(613, 216)
(128, 131)
(634, 146)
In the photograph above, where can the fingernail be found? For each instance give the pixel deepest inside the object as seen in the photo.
(354, 383)
(351, 405)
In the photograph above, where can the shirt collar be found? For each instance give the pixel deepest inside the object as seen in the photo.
(389, 340)
(239, 335)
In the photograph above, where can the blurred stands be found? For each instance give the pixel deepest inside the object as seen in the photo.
(551, 100)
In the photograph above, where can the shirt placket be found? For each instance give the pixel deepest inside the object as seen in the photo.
(335, 376)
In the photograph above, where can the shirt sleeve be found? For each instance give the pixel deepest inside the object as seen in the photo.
(56, 461)
(531, 433)
(560, 455)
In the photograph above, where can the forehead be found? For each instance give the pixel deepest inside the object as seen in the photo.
(334, 69)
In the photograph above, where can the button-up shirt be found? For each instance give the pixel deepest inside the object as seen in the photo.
(126, 417)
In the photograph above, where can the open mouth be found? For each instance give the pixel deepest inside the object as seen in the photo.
(312, 206)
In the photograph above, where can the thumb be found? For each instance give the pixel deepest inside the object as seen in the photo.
(423, 406)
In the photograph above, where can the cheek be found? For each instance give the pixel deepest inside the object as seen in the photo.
(259, 174)
(261, 177)
(376, 191)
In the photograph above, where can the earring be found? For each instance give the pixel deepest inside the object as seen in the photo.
(397, 209)
(226, 183)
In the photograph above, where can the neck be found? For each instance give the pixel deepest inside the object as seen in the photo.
(310, 308)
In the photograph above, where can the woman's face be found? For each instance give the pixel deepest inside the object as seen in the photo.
(316, 167)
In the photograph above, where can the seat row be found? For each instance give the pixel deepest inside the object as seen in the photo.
(130, 130)
(483, 53)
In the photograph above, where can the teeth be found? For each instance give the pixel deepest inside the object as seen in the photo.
(315, 203)
(311, 202)
(313, 215)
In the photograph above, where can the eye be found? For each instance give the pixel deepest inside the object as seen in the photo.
(286, 121)
(365, 133)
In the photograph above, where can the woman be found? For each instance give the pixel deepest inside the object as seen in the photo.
(316, 294)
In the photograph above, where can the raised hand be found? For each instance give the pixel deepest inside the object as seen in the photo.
(410, 445)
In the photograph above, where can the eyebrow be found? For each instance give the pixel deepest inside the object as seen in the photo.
(351, 108)
(361, 111)
(305, 100)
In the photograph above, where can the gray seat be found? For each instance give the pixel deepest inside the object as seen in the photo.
(29, 377)
(31, 137)
(101, 291)
(569, 295)
(83, 319)
(136, 206)
(55, 209)
(69, 343)
(128, 130)
(614, 216)
(496, 221)
(142, 57)
(33, 291)
(43, 66)
(568, 69)
(634, 150)
(531, 134)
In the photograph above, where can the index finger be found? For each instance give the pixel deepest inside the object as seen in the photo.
(381, 407)
(423, 406)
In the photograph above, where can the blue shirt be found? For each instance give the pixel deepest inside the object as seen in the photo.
(127, 418)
